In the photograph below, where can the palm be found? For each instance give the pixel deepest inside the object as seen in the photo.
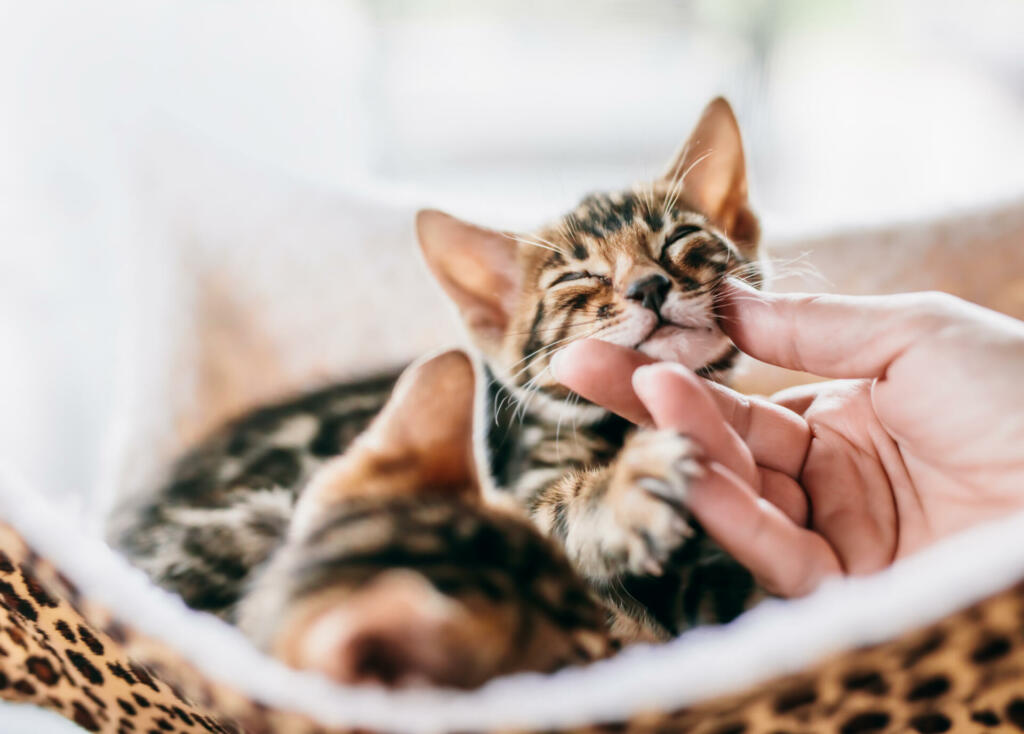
(879, 490)
(852, 476)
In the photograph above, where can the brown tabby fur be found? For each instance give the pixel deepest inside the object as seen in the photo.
(637, 268)
(393, 572)
(246, 525)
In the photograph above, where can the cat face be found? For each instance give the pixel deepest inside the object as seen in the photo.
(638, 268)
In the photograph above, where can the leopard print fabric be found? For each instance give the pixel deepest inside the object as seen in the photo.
(50, 656)
(61, 651)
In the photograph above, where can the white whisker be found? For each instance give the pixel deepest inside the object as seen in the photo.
(678, 187)
(536, 241)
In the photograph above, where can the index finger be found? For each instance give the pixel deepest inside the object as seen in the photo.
(603, 373)
(829, 335)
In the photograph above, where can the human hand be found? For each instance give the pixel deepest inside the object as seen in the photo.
(923, 437)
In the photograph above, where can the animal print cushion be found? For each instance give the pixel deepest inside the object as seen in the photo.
(63, 652)
(51, 656)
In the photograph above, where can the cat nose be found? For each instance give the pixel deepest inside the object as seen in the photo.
(649, 290)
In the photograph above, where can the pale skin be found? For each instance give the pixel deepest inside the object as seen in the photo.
(919, 433)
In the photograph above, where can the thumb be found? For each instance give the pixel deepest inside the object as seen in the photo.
(829, 335)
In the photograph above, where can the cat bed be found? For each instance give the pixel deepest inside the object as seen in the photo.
(88, 636)
(250, 289)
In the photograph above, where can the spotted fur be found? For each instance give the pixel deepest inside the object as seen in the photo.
(227, 504)
(491, 563)
(310, 553)
(637, 268)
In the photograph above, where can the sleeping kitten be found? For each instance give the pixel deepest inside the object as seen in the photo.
(393, 571)
(638, 268)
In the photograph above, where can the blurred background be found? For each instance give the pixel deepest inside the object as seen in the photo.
(853, 112)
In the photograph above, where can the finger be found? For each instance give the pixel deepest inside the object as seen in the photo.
(854, 506)
(786, 559)
(828, 335)
(784, 492)
(677, 399)
(799, 397)
(602, 373)
(777, 437)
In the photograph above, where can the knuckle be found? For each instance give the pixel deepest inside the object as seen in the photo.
(933, 309)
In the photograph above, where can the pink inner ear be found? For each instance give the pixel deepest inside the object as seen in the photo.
(477, 267)
(428, 422)
(712, 168)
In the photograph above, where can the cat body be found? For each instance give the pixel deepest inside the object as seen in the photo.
(638, 268)
(228, 503)
(379, 562)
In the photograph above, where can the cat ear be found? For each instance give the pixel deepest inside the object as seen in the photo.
(713, 172)
(420, 443)
(478, 269)
(429, 421)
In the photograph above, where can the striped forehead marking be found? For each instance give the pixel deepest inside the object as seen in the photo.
(601, 215)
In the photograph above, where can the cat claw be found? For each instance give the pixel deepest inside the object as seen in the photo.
(652, 567)
(650, 501)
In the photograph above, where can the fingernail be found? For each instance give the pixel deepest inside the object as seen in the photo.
(649, 371)
(747, 292)
(641, 379)
(642, 373)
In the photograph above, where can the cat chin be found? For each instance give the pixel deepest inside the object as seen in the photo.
(693, 348)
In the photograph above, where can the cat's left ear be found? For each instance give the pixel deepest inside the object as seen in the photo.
(713, 174)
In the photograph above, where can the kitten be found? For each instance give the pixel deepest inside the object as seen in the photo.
(392, 570)
(637, 268)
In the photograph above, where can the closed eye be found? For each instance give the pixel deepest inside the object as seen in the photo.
(566, 277)
(680, 232)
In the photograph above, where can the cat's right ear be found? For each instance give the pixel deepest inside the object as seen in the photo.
(426, 427)
(421, 443)
(711, 171)
(478, 269)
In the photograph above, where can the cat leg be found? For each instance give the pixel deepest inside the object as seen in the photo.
(627, 517)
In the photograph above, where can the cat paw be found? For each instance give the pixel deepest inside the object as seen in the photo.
(645, 516)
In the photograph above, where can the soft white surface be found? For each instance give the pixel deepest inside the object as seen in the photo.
(19, 718)
(245, 287)
(776, 637)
